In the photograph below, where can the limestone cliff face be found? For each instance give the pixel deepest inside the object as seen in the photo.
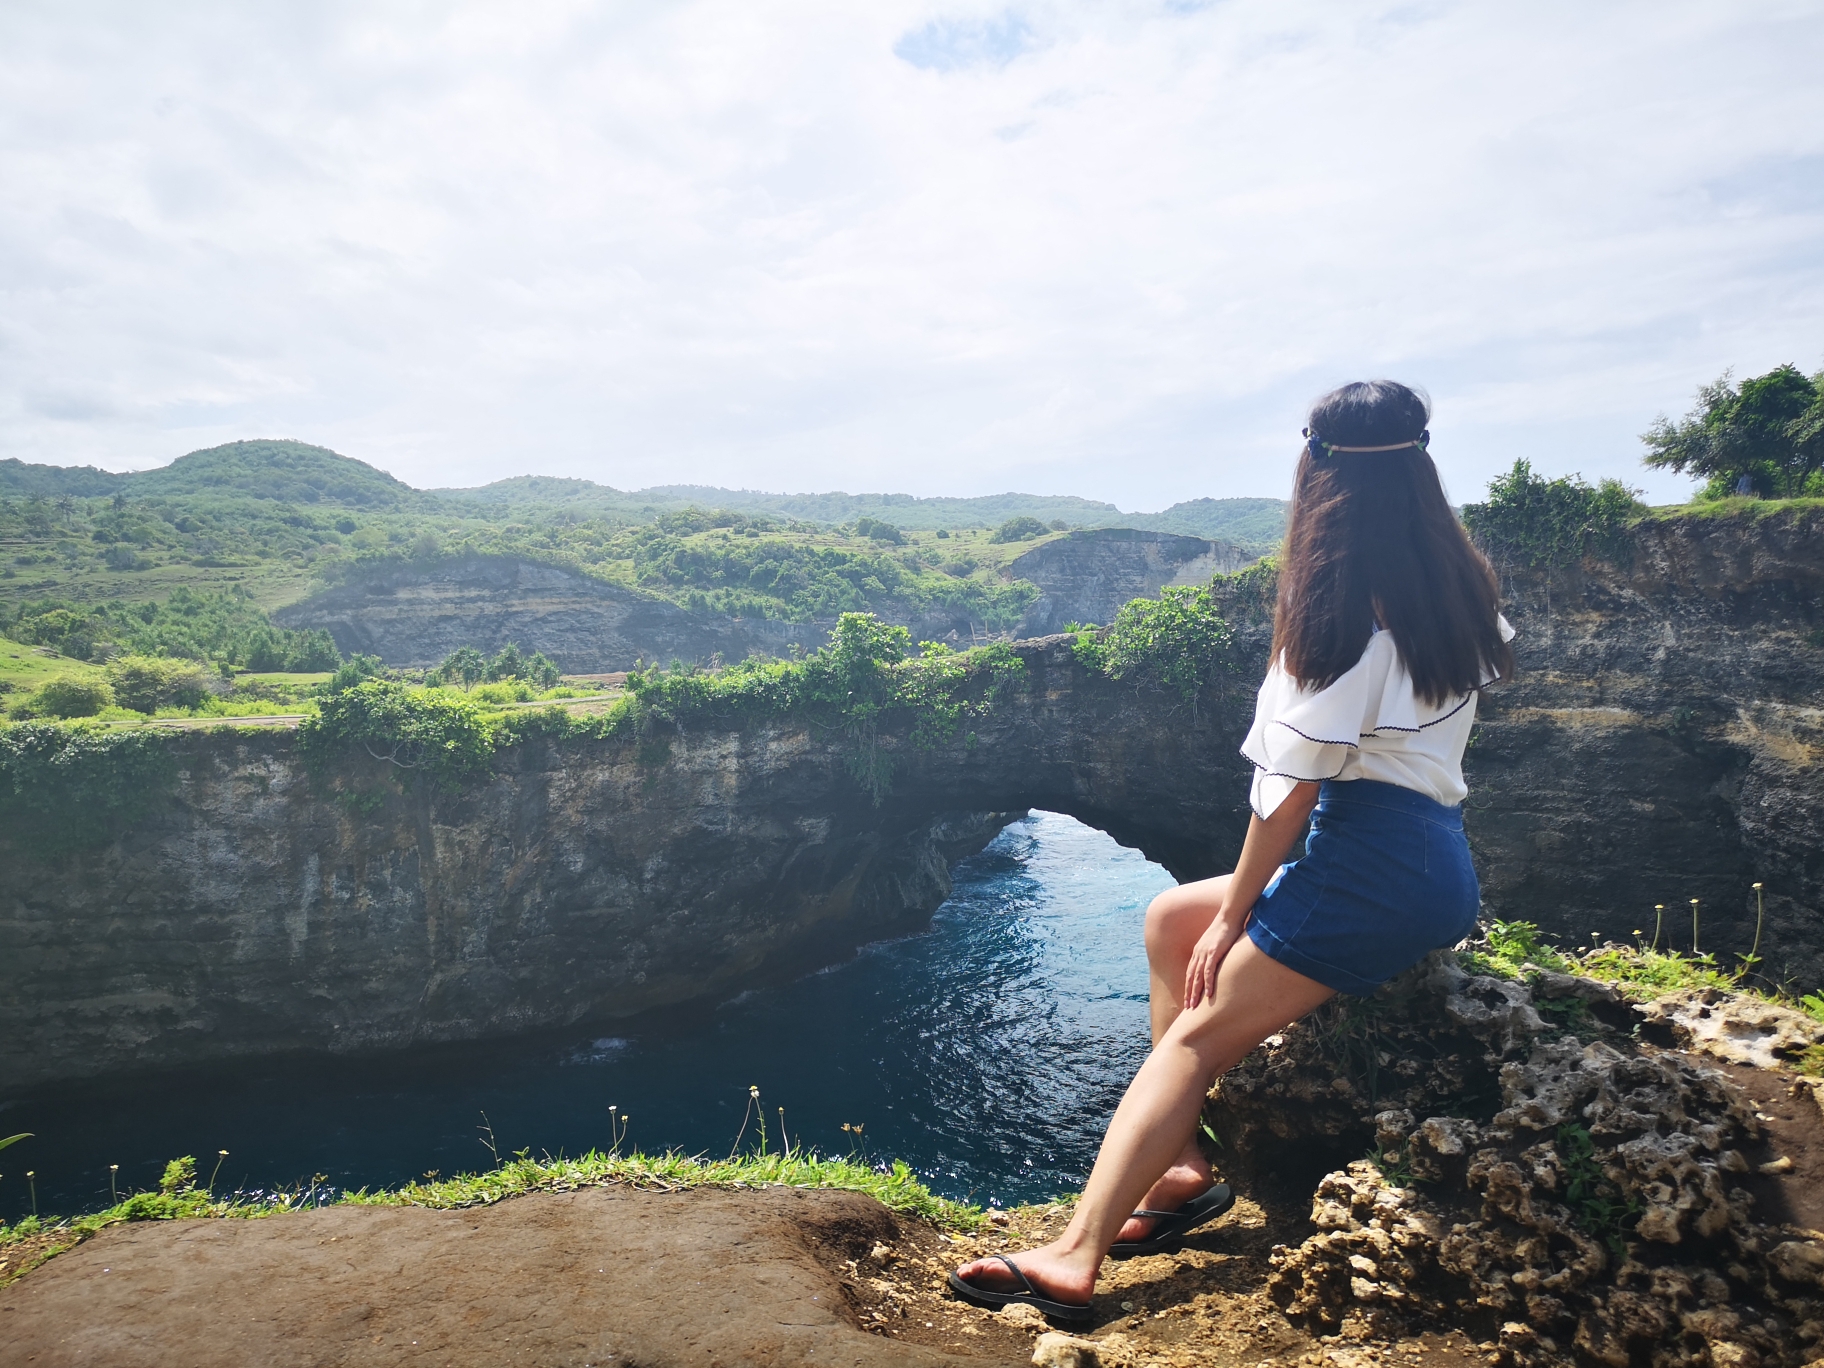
(1088, 576)
(416, 615)
(255, 913)
(1663, 741)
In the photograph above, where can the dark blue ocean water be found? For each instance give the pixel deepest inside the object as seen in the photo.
(988, 1053)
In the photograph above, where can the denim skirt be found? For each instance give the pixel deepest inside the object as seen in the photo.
(1385, 879)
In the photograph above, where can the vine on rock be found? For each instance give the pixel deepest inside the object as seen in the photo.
(63, 788)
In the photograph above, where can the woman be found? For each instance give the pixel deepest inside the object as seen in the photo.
(1387, 626)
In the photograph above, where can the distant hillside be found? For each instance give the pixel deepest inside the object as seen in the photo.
(831, 509)
(279, 520)
(291, 472)
(53, 482)
(282, 471)
(298, 473)
(1256, 524)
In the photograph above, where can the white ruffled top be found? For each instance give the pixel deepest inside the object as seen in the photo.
(1369, 724)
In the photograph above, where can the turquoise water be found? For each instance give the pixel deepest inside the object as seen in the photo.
(988, 1052)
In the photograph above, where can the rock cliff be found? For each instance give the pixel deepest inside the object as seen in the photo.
(1088, 576)
(262, 909)
(416, 614)
(1660, 744)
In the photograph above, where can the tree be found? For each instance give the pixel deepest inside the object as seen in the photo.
(876, 530)
(69, 697)
(1770, 429)
(509, 664)
(465, 666)
(1022, 528)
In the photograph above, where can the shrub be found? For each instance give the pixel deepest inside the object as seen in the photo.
(70, 697)
(1534, 521)
(444, 738)
(353, 671)
(1022, 528)
(147, 683)
(1179, 641)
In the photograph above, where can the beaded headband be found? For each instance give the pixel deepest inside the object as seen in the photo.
(1318, 447)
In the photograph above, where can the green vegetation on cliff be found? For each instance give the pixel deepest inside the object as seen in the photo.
(225, 627)
(1179, 641)
(63, 787)
(1532, 521)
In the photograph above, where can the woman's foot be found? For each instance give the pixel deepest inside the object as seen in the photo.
(1054, 1272)
(1190, 1176)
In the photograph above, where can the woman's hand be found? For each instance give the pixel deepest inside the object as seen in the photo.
(1206, 958)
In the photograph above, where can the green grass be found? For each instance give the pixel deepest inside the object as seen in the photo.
(179, 1198)
(23, 668)
(894, 1186)
(1730, 507)
(1516, 950)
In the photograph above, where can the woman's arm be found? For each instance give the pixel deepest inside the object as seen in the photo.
(1262, 854)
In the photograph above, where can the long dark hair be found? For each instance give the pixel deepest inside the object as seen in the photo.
(1372, 538)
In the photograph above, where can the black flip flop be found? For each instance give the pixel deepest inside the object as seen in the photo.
(994, 1301)
(1168, 1235)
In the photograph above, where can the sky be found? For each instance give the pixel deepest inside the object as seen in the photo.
(1108, 249)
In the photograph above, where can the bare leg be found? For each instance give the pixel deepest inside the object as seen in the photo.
(1174, 922)
(1255, 996)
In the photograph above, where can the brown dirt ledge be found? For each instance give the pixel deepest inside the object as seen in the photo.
(623, 1278)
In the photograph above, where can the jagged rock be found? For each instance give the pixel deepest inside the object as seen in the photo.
(1491, 1006)
(1732, 1026)
(1592, 1207)
(1549, 983)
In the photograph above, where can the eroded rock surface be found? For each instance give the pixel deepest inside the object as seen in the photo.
(1740, 1029)
(1572, 1194)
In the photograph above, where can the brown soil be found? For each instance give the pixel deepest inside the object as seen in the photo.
(612, 1276)
(604, 1276)
(1794, 1119)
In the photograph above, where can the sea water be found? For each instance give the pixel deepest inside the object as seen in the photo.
(987, 1052)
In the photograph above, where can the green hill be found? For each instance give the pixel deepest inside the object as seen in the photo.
(55, 482)
(1257, 524)
(280, 471)
(272, 521)
(289, 472)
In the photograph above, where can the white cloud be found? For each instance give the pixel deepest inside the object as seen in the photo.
(1107, 249)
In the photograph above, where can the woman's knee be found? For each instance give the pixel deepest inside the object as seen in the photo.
(1178, 916)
